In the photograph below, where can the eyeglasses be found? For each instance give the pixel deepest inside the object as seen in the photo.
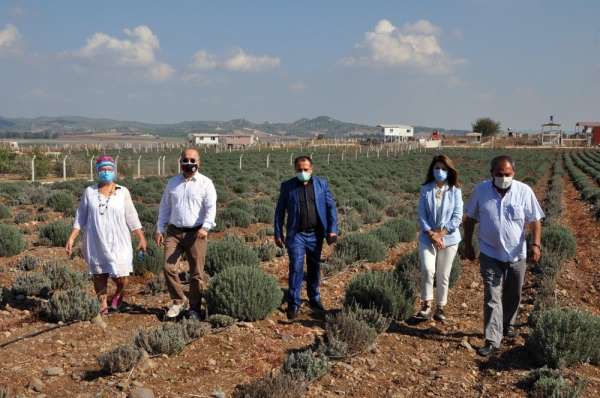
(187, 161)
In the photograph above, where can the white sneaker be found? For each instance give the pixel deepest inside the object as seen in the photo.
(175, 309)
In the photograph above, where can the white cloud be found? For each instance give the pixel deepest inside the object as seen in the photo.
(9, 39)
(138, 50)
(238, 61)
(414, 45)
(204, 60)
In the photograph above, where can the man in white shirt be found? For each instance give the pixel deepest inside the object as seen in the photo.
(187, 212)
(504, 208)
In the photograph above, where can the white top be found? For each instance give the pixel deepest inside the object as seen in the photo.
(106, 224)
(438, 195)
(188, 203)
(502, 220)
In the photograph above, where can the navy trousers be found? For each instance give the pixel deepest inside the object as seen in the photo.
(309, 245)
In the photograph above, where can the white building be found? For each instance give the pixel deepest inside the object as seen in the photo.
(392, 131)
(203, 139)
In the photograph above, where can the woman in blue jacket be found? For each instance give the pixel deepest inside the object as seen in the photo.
(440, 215)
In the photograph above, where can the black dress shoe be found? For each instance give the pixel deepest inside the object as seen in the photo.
(292, 313)
(316, 306)
(509, 331)
(487, 349)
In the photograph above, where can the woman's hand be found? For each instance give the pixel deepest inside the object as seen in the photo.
(142, 245)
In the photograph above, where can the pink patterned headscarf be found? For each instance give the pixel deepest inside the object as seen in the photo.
(104, 160)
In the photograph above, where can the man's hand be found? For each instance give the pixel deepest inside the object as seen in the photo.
(202, 233)
(159, 238)
(331, 238)
(69, 247)
(469, 251)
(438, 242)
(279, 242)
(536, 254)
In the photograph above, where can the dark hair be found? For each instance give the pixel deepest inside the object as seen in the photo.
(501, 159)
(302, 158)
(452, 172)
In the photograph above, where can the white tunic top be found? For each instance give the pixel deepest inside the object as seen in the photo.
(188, 204)
(106, 224)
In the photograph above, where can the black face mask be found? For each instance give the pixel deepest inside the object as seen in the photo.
(189, 168)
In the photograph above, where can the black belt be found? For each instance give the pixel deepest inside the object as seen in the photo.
(310, 230)
(185, 229)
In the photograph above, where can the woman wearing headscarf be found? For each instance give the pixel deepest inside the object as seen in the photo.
(107, 217)
(440, 216)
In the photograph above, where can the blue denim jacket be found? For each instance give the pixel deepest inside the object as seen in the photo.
(451, 218)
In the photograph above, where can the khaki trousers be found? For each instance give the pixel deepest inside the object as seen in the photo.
(177, 242)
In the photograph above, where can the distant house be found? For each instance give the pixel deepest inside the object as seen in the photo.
(12, 145)
(396, 131)
(201, 139)
(551, 133)
(473, 138)
(590, 130)
(239, 140)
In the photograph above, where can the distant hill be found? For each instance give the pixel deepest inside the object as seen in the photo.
(321, 125)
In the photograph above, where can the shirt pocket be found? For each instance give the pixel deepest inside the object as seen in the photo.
(515, 213)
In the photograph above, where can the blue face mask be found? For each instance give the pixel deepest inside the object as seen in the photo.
(440, 175)
(106, 176)
(303, 176)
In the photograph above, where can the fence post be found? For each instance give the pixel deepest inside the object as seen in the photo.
(65, 167)
(343, 155)
(241, 156)
(159, 166)
(291, 158)
(33, 169)
(92, 169)
(138, 165)
(117, 164)
(268, 158)
(328, 156)
(164, 169)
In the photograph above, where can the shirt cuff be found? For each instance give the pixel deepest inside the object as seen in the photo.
(207, 225)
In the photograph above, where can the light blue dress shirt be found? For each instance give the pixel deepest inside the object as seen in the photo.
(502, 220)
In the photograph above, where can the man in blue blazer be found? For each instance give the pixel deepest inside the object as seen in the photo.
(311, 217)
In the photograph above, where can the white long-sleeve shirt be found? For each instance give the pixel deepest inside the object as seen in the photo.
(106, 228)
(188, 203)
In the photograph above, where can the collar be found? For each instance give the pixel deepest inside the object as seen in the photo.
(195, 177)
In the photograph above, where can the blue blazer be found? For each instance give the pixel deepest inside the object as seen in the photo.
(451, 217)
(289, 202)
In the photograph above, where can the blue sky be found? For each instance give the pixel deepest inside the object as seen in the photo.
(434, 63)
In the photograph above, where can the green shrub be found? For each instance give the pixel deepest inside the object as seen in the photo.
(267, 251)
(32, 284)
(405, 230)
(167, 338)
(56, 232)
(264, 213)
(380, 290)
(70, 305)
(347, 335)
(153, 261)
(559, 240)
(279, 386)
(229, 252)
(62, 277)
(146, 214)
(11, 241)
(121, 359)
(22, 218)
(455, 271)
(220, 320)
(60, 201)
(549, 383)
(562, 337)
(28, 263)
(359, 246)
(4, 212)
(156, 285)
(408, 272)
(245, 293)
(234, 217)
(372, 316)
(306, 365)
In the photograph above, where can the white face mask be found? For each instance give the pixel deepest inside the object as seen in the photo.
(503, 182)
